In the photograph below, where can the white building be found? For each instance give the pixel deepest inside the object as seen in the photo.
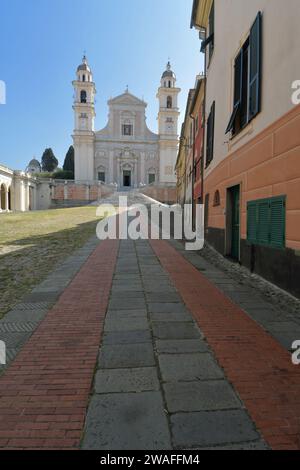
(125, 152)
(20, 191)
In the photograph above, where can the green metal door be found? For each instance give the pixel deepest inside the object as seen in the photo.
(235, 227)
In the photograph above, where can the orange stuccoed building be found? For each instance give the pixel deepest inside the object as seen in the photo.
(251, 167)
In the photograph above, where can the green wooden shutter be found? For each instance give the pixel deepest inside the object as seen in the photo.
(255, 67)
(252, 222)
(263, 221)
(237, 99)
(238, 78)
(266, 222)
(210, 135)
(277, 222)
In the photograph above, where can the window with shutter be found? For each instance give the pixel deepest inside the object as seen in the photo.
(266, 222)
(210, 135)
(263, 222)
(252, 222)
(255, 67)
(277, 222)
(237, 92)
(247, 80)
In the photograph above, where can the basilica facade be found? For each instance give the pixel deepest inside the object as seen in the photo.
(125, 153)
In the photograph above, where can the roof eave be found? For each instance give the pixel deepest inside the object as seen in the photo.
(194, 12)
(200, 13)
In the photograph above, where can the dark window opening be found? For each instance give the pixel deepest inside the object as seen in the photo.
(151, 178)
(217, 198)
(127, 129)
(83, 78)
(101, 176)
(169, 102)
(83, 96)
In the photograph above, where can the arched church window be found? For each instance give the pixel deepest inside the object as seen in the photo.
(83, 96)
(169, 83)
(169, 102)
(83, 78)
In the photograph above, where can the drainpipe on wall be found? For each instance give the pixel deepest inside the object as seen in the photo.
(204, 121)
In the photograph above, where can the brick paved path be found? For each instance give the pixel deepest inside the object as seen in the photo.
(44, 392)
(259, 368)
(180, 365)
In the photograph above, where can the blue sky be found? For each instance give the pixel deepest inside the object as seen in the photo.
(127, 42)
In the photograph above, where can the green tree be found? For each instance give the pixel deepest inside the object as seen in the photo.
(69, 160)
(49, 161)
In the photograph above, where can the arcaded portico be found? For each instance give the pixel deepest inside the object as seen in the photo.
(20, 191)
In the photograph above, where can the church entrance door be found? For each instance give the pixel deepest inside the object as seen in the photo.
(127, 178)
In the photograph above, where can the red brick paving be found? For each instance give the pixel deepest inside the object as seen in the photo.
(259, 368)
(45, 391)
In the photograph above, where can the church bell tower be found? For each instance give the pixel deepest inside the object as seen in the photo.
(168, 125)
(84, 113)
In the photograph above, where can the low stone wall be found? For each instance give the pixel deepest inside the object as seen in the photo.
(165, 193)
(78, 193)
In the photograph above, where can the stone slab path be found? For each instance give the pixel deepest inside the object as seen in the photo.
(158, 385)
(130, 345)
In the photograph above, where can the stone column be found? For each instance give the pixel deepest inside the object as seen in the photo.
(6, 199)
(111, 175)
(136, 173)
(142, 167)
(120, 175)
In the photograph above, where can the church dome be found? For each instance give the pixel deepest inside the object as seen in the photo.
(84, 66)
(168, 73)
(33, 166)
(34, 162)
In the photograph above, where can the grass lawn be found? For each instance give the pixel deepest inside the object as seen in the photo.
(32, 243)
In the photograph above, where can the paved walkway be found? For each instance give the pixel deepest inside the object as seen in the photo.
(44, 392)
(130, 345)
(158, 385)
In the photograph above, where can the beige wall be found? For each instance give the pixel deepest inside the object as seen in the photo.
(281, 65)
